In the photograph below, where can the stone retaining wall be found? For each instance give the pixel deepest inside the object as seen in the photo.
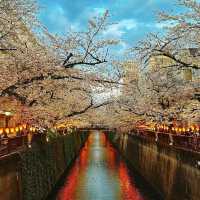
(174, 173)
(32, 174)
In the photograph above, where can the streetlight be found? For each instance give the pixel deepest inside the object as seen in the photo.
(8, 116)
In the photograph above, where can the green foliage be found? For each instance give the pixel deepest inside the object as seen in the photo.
(51, 134)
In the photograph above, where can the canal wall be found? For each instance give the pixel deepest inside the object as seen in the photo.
(9, 177)
(32, 174)
(174, 173)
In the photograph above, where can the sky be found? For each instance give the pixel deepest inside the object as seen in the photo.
(133, 19)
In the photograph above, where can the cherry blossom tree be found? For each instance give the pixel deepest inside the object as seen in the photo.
(166, 91)
(41, 72)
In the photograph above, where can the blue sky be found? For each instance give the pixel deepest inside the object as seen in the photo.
(134, 18)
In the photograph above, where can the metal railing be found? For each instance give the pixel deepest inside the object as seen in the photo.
(8, 145)
(180, 141)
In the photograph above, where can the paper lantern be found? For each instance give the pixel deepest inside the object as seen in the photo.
(12, 130)
(7, 130)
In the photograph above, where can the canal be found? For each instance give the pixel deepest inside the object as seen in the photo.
(99, 173)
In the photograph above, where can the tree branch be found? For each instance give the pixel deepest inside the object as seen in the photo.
(71, 65)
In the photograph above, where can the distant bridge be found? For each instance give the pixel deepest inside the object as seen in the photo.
(98, 127)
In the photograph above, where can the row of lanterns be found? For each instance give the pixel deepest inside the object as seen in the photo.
(17, 129)
(176, 129)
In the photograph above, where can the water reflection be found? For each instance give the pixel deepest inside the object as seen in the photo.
(99, 174)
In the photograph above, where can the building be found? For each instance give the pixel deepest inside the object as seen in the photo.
(190, 55)
(10, 112)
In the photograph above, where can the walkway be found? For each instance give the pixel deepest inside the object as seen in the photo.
(100, 174)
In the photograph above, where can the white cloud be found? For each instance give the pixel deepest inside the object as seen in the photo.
(98, 11)
(153, 2)
(150, 2)
(162, 25)
(58, 17)
(120, 49)
(91, 12)
(158, 25)
(119, 29)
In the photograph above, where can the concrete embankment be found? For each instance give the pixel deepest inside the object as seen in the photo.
(32, 174)
(174, 173)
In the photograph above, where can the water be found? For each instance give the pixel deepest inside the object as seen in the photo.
(99, 173)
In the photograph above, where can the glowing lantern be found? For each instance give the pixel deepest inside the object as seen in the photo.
(7, 130)
(17, 129)
(12, 130)
(7, 113)
(31, 129)
(1, 130)
(24, 126)
(20, 128)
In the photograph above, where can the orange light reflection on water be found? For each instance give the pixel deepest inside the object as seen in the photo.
(99, 148)
(68, 191)
(128, 189)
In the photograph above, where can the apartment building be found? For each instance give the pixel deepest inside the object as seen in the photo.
(190, 55)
